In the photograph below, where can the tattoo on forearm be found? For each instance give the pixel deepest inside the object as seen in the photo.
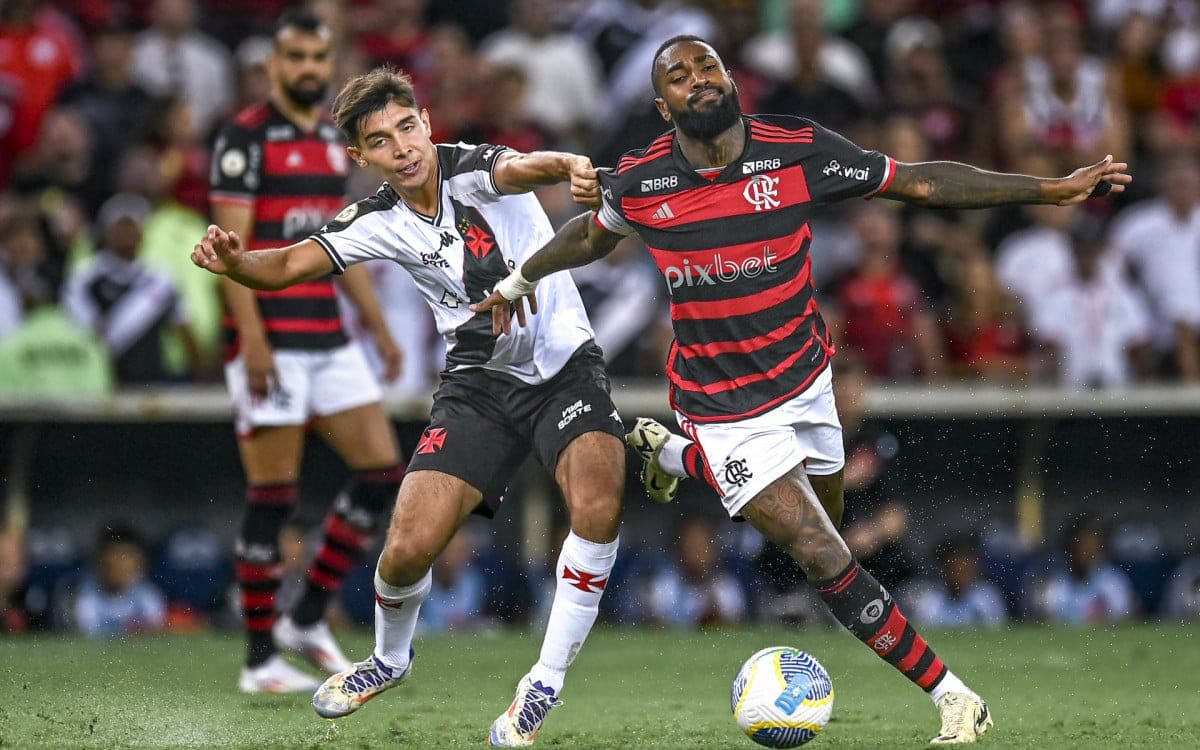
(948, 184)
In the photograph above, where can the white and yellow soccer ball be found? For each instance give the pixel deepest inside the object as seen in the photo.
(782, 697)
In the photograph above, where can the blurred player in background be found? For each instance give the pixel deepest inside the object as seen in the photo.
(459, 218)
(723, 203)
(279, 172)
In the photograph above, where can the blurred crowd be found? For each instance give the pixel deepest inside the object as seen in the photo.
(108, 107)
(704, 572)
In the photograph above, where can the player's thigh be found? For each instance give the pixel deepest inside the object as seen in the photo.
(430, 507)
(591, 475)
(362, 436)
(271, 455)
(789, 513)
(470, 439)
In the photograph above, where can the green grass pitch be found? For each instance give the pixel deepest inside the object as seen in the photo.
(1049, 688)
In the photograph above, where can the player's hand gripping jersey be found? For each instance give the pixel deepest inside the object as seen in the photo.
(733, 249)
(478, 236)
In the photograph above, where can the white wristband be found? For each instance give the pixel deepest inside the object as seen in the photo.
(515, 285)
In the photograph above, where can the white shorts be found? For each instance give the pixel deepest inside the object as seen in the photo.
(747, 455)
(311, 383)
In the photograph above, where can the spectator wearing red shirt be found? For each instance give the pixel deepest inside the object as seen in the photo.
(40, 53)
(882, 312)
(984, 334)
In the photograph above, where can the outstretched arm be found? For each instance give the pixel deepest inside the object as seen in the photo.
(516, 172)
(948, 184)
(580, 241)
(222, 253)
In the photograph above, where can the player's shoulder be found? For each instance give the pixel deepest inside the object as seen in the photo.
(639, 160)
(381, 200)
(784, 128)
(252, 118)
(461, 157)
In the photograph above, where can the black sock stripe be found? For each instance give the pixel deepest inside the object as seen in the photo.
(903, 648)
(923, 664)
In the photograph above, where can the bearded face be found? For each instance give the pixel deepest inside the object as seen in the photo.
(707, 113)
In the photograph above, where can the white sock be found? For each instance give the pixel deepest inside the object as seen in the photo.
(670, 456)
(396, 609)
(582, 574)
(949, 684)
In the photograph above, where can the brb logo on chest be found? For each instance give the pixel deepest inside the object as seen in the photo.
(720, 270)
(660, 183)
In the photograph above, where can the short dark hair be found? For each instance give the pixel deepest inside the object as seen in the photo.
(366, 94)
(667, 45)
(301, 19)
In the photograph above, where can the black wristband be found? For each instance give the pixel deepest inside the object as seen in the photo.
(1101, 189)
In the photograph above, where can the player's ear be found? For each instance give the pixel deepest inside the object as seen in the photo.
(425, 121)
(662, 108)
(356, 155)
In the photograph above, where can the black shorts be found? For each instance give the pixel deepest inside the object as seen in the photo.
(483, 424)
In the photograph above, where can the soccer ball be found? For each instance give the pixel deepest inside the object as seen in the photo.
(782, 697)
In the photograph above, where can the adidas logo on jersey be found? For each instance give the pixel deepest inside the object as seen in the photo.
(664, 212)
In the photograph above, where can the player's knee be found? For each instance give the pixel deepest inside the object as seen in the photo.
(595, 513)
(405, 560)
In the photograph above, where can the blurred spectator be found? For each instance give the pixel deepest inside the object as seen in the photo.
(503, 119)
(1159, 240)
(253, 80)
(918, 83)
(40, 54)
(960, 596)
(1086, 587)
(623, 296)
(775, 54)
(624, 35)
(1095, 326)
(455, 99)
(173, 58)
(810, 87)
(131, 307)
(14, 568)
(880, 309)
(985, 336)
(1034, 262)
(1176, 125)
(111, 104)
(456, 599)
(114, 596)
(1181, 600)
(48, 354)
(564, 94)
(696, 587)
(183, 160)
(394, 32)
(55, 170)
(1067, 100)
(871, 27)
(1139, 71)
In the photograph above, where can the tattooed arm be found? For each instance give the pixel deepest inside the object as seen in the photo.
(949, 184)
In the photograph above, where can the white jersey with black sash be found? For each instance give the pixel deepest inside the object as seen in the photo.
(478, 237)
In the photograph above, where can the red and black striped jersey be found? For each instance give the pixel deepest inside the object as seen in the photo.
(296, 181)
(733, 249)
